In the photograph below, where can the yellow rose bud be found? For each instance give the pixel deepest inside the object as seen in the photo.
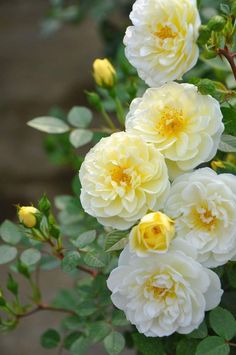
(104, 73)
(217, 164)
(154, 233)
(27, 216)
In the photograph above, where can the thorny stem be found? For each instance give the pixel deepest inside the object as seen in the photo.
(230, 57)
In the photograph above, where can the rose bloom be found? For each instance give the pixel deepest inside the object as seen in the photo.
(163, 294)
(203, 205)
(161, 44)
(123, 177)
(183, 124)
(153, 234)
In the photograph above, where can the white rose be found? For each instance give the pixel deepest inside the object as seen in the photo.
(123, 177)
(163, 294)
(183, 124)
(162, 43)
(203, 205)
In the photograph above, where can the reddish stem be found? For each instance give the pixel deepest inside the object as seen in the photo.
(61, 256)
(45, 307)
(230, 57)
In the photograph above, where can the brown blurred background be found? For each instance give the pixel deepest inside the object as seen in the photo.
(37, 73)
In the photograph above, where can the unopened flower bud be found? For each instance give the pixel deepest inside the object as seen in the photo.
(209, 54)
(104, 73)
(216, 23)
(153, 234)
(94, 100)
(27, 216)
(204, 35)
(217, 164)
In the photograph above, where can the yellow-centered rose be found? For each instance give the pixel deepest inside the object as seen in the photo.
(153, 233)
(27, 216)
(104, 73)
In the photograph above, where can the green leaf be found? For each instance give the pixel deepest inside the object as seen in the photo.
(98, 331)
(80, 346)
(95, 258)
(119, 318)
(49, 262)
(223, 323)
(86, 308)
(80, 117)
(148, 346)
(10, 233)
(213, 345)
(199, 333)
(119, 245)
(72, 322)
(85, 238)
(50, 339)
(80, 137)
(113, 239)
(12, 285)
(114, 343)
(227, 143)
(229, 114)
(30, 256)
(49, 125)
(70, 339)
(186, 346)
(225, 9)
(70, 261)
(7, 254)
(231, 273)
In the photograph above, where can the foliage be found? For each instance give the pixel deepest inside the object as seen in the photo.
(73, 242)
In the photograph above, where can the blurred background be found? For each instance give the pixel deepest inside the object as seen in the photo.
(47, 50)
(46, 56)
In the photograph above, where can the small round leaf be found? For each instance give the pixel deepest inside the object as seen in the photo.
(10, 233)
(80, 116)
(80, 137)
(114, 343)
(213, 346)
(30, 256)
(7, 254)
(50, 339)
(223, 323)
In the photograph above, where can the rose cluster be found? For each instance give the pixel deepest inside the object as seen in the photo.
(181, 218)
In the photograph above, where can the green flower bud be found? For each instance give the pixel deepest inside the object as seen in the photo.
(204, 35)
(216, 23)
(94, 100)
(209, 54)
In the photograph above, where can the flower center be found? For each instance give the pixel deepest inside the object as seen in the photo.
(165, 32)
(171, 122)
(119, 176)
(156, 291)
(204, 218)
